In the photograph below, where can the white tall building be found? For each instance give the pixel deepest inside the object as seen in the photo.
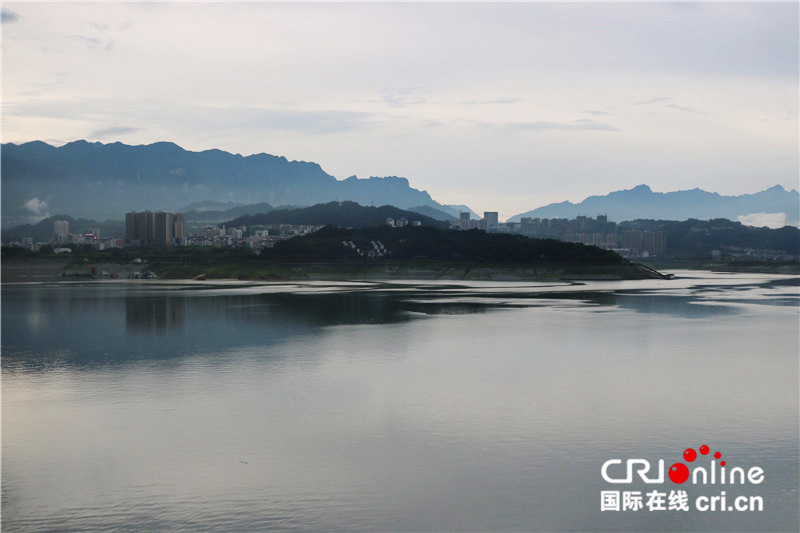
(61, 230)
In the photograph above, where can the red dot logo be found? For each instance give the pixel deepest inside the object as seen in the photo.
(679, 473)
(722, 463)
(717, 455)
(689, 455)
(704, 449)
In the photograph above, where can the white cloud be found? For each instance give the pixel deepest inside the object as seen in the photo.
(760, 220)
(576, 125)
(36, 206)
(503, 100)
(656, 100)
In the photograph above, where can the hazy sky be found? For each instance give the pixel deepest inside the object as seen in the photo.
(503, 107)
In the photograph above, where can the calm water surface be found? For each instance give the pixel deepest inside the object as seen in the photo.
(154, 406)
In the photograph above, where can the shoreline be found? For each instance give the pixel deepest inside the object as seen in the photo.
(57, 269)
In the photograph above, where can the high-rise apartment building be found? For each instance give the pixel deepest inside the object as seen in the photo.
(154, 229)
(463, 221)
(61, 230)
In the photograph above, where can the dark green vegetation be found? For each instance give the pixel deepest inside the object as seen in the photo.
(428, 243)
(696, 239)
(385, 252)
(345, 214)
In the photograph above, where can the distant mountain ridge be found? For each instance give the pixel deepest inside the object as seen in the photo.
(642, 203)
(42, 231)
(96, 180)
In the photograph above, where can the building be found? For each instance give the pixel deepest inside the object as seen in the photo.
(179, 229)
(140, 228)
(61, 231)
(641, 243)
(463, 220)
(164, 229)
(490, 219)
(154, 229)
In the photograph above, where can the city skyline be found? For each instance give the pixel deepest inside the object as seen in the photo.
(500, 107)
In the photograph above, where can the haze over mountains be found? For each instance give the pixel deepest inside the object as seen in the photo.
(642, 203)
(95, 180)
(103, 181)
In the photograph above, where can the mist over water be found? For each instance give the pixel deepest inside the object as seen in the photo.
(390, 406)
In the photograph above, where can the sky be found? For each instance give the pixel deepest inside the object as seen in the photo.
(502, 107)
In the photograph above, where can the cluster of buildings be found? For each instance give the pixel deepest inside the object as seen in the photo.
(489, 222)
(400, 222)
(63, 236)
(158, 228)
(154, 229)
(255, 237)
(591, 231)
(374, 250)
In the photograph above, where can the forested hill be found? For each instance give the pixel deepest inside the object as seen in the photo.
(345, 214)
(693, 237)
(335, 244)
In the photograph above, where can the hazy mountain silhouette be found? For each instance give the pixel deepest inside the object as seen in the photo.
(642, 202)
(99, 181)
(434, 213)
(42, 231)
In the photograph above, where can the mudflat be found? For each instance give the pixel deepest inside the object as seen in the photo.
(16, 269)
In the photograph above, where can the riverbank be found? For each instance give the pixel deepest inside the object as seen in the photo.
(21, 269)
(28, 269)
(53, 269)
(752, 267)
(422, 271)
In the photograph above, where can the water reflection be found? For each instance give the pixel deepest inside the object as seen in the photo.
(154, 315)
(387, 406)
(89, 323)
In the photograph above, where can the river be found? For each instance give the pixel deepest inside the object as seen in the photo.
(396, 406)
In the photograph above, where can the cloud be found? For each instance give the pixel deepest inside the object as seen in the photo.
(401, 98)
(593, 112)
(760, 220)
(790, 115)
(685, 109)
(655, 100)
(503, 100)
(576, 125)
(240, 119)
(90, 42)
(36, 206)
(94, 43)
(317, 122)
(113, 131)
(8, 17)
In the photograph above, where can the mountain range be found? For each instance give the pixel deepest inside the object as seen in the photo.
(96, 180)
(642, 203)
(103, 181)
